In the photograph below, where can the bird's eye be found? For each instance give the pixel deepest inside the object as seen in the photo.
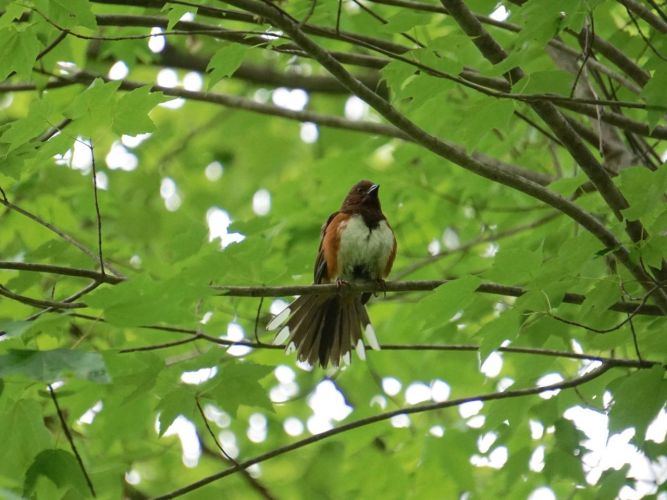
(360, 190)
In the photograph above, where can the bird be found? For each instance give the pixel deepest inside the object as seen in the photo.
(357, 245)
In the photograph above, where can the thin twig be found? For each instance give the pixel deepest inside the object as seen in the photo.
(635, 341)
(77, 295)
(259, 311)
(478, 241)
(311, 10)
(631, 314)
(156, 347)
(38, 302)
(69, 239)
(338, 12)
(61, 270)
(589, 32)
(644, 37)
(63, 424)
(532, 351)
(386, 416)
(97, 205)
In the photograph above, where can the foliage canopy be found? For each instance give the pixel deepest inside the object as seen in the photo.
(165, 164)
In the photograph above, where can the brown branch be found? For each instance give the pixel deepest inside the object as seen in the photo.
(65, 271)
(648, 16)
(568, 384)
(616, 119)
(70, 439)
(283, 291)
(468, 78)
(157, 347)
(618, 58)
(409, 286)
(630, 315)
(172, 56)
(38, 302)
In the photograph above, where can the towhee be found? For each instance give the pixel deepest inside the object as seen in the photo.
(356, 245)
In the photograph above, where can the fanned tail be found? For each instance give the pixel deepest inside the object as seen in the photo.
(325, 328)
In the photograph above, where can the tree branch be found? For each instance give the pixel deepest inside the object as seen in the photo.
(195, 335)
(623, 62)
(648, 16)
(38, 302)
(65, 271)
(283, 291)
(409, 286)
(516, 393)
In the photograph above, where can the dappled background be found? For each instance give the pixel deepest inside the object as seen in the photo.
(156, 153)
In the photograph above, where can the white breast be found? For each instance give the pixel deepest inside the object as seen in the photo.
(363, 248)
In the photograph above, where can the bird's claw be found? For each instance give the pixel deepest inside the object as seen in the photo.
(382, 286)
(340, 283)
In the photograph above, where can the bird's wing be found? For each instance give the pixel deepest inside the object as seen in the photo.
(326, 262)
(392, 255)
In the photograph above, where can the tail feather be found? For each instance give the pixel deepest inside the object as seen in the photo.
(308, 313)
(324, 329)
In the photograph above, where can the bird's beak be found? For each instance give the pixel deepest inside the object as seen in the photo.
(374, 189)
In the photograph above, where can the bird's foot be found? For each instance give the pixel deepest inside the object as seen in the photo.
(342, 284)
(381, 286)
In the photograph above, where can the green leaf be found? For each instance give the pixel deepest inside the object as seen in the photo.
(483, 116)
(320, 476)
(180, 401)
(637, 400)
(444, 302)
(60, 467)
(19, 47)
(643, 189)
(559, 464)
(600, 298)
(47, 366)
(611, 482)
(225, 62)
(10, 329)
(24, 434)
(404, 21)
(547, 82)
(72, 13)
(142, 300)
(12, 12)
(175, 12)
(238, 384)
(92, 108)
(654, 94)
(494, 333)
(24, 130)
(515, 265)
(131, 113)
